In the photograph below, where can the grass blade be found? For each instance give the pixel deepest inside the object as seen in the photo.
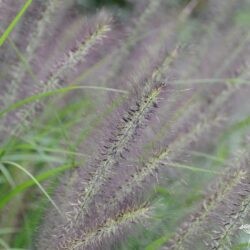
(14, 22)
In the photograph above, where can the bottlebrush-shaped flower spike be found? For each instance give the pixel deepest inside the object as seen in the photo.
(50, 10)
(33, 43)
(136, 116)
(113, 227)
(234, 184)
(152, 165)
(70, 61)
(225, 221)
(126, 47)
(161, 70)
(78, 54)
(228, 220)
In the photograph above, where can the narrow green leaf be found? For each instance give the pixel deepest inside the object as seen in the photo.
(15, 21)
(29, 183)
(192, 168)
(36, 182)
(157, 243)
(33, 98)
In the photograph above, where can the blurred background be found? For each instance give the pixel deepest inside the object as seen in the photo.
(49, 128)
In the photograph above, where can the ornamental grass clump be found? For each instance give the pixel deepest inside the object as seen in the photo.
(131, 124)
